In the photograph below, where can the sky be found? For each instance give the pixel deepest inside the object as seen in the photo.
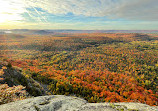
(79, 14)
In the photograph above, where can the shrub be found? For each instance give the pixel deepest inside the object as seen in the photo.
(9, 94)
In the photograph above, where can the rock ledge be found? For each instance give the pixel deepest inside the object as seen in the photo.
(70, 103)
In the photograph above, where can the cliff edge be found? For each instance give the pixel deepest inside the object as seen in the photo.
(70, 103)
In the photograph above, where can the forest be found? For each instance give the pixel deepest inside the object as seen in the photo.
(99, 67)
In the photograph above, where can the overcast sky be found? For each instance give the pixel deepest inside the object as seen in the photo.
(79, 14)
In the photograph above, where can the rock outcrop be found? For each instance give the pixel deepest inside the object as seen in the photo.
(14, 77)
(70, 103)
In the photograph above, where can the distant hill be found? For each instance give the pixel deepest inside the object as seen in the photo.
(41, 32)
(47, 32)
(27, 31)
(2, 32)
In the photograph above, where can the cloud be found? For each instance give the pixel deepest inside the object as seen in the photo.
(77, 7)
(102, 14)
(138, 10)
(127, 9)
(132, 10)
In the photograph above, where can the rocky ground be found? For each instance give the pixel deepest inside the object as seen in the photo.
(70, 103)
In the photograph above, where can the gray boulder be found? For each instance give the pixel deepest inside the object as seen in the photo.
(70, 103)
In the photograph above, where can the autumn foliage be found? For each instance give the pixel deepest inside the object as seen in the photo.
(98, 67)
